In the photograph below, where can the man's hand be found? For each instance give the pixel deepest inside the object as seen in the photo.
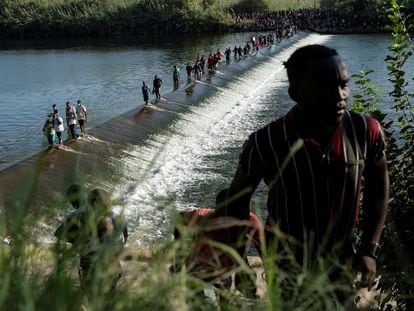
(368, 267)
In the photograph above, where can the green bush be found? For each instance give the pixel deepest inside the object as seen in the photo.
(397, 260)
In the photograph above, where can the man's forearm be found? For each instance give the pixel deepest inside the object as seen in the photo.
(377, 196)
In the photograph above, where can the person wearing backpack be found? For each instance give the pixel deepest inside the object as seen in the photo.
(156, 87)
(49, 130)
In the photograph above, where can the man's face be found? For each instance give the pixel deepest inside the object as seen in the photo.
(323, 92)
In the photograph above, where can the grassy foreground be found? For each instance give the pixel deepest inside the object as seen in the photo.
(39, 277)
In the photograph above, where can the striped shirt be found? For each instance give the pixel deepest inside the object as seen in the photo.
(313, 193)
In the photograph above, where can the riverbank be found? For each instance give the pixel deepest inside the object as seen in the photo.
(127, 18)
(51, 19)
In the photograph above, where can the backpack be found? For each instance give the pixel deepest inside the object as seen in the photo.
(157, 82)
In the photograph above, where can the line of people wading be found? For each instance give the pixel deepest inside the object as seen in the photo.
(198, 70)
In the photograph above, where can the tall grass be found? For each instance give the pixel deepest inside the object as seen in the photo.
(39, 278)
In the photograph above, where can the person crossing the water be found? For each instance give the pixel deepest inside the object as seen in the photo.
(54, 109)
(189, 70)
(219, 55)
(145, 92)
(71, 120)
(59, 127)
(81, 116)
(156, 86)
(176, 76)
(49, 130)
(228, 54)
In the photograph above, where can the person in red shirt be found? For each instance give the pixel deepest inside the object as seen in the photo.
(313, 161)
(208, 261)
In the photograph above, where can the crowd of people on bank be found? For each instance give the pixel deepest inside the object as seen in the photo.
(54, 126)
(321, 19)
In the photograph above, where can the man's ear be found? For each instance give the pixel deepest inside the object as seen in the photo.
(293, 93)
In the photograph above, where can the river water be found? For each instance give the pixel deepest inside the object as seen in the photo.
(184, 163)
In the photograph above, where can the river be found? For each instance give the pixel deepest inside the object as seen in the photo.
(186, 161)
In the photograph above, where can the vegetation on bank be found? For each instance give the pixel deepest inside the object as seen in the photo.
(78, 18)
(92, 18)
(396, 262)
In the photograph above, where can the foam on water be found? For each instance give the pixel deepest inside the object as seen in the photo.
(158, 172)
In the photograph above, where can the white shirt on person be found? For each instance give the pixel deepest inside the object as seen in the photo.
(71, 116)
(81, 112)
(59, 124)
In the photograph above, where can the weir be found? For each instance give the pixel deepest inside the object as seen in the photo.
(152, 158)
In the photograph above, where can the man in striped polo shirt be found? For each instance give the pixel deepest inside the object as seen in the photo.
(314, 161)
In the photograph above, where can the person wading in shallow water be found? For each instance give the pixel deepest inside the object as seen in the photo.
(82, 116)
(58, 124)
(189, 69)
(156, 85)
(145, 92)
(176, 76)
(313, 161)
(71, 120)
(49, 130)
